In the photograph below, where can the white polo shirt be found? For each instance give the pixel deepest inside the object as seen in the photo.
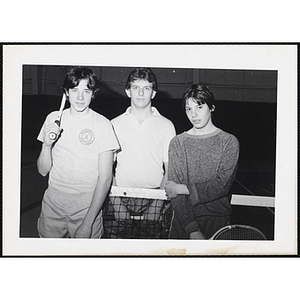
(144, 149)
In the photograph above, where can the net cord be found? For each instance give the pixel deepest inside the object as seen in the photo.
(245, 200)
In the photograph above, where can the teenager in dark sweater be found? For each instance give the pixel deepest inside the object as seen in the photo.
(202, 168)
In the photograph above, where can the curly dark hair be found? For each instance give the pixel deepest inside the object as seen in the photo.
(77, 74)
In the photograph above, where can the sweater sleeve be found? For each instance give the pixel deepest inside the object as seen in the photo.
(169, 134)
(220, 184)
(177, 173)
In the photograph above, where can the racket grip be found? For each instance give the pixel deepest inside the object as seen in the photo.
(53, 135)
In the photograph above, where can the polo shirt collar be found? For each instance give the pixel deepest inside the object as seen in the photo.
(154, 110)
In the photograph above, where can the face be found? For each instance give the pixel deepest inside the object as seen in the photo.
(80, 97)
(141, 93)
(199, 115)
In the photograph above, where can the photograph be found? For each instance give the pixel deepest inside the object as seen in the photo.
(150, 150)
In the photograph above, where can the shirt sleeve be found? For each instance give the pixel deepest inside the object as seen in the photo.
(177, 173)
(109, 140)
(220, 184)
(40, 136)
(50, 118)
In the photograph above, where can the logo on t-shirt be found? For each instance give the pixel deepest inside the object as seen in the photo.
(86, 136)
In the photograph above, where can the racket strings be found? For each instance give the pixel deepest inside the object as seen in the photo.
(147, 213)
(239, 232)
(132, 217)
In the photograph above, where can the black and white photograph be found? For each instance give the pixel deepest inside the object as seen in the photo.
(150, 150)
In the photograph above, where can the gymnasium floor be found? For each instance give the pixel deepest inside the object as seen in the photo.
(33, 186)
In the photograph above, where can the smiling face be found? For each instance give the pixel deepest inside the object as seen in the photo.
(141, 93)
(80, 97)
(199, 115)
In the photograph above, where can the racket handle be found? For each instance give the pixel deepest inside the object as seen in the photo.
(53, 135)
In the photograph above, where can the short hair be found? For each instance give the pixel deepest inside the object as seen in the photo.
(201, 93)
(76, 74)
(141, 73)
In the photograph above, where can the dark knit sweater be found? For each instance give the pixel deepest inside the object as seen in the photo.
(207, 165)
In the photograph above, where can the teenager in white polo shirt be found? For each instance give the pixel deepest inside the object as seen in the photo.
(144, 136)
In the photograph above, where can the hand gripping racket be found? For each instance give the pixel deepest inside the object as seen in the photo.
(53, 135)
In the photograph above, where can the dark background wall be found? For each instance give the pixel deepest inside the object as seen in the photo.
(245, 106)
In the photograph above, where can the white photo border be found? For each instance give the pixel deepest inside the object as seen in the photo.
(279, 57)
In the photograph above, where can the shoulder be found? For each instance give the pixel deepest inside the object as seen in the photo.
(161, 120)
(51, 117)
(166, 121)
(228, 138)
(227, 135)
(159, 116)
(178, 140)
(53, 113)
(98, 116)
(119, 118)
(100, 119)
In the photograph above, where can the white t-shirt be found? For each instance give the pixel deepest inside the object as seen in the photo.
(75, 154)
(144, 149)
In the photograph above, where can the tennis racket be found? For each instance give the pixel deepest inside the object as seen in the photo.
(53, 135)
(238, 232)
